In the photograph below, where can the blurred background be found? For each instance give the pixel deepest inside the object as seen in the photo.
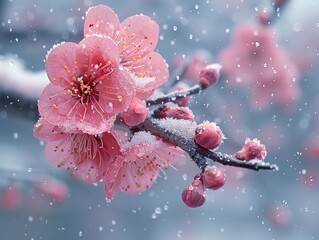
(251, 205)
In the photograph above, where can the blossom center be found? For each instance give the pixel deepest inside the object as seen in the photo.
(86, 147)
(81, 87)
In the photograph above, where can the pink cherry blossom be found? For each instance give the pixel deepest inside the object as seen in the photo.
(88, 88)
(136, 38)
(251, 54)
(84, 155)
(139, 164)
(281, 88)
(255, 60)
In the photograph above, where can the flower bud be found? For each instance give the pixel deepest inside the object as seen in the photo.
(252, 149)
(194, 194)
(174, 112)
(135, 114)
(208, 135)
(213, 178)
(209, 75)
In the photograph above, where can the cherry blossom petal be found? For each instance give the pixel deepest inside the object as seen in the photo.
(60, 63)
(85, 156)
(92, 167)
(90, 118)
(149, 73)
(116, 91)
(55, 104)
(59, 153)
(62, 109)
(138, 166)
(112, 179)
(46, 131)
(96, 55)
(102, 20)
(138, 176)
(137, 37)
(168, 154)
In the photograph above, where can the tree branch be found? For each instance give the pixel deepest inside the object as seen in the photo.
(174, 96)
(180, 132)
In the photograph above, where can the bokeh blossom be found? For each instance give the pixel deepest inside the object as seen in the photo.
(255, 60)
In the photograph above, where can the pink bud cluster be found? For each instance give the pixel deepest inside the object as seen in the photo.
(194, 194)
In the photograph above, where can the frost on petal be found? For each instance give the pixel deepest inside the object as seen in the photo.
(100, 19)
(149, 73)
(47, 132)
(96, 55)
(60, 63)
(136, 37)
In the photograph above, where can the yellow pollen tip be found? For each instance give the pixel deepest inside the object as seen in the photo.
(109, 62)
(65, 67)
(54, 105)
(141, 74)
(74, 78)
(124, 43)
(68, 91)
(120, 98)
